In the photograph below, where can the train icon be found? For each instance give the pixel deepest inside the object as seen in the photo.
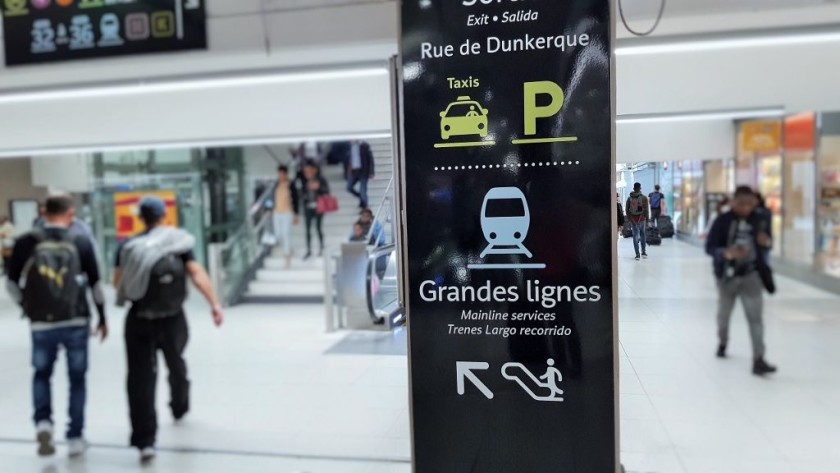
(505, 221)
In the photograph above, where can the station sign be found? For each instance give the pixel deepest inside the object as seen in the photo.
(42, 31)
(508, 172)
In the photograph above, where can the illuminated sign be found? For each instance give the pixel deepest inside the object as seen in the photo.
(40, 31)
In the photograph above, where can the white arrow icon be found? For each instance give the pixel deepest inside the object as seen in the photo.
(465, 371)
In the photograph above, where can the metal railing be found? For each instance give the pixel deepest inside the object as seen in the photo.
(381, 299)
(381, 230)
(232, 264)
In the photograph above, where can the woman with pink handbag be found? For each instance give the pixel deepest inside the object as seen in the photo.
(316, 201)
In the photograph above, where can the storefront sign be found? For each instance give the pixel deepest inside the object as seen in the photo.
(763, 136)
(127, 215)
(38, 31)
(510, 207)
(800, 132)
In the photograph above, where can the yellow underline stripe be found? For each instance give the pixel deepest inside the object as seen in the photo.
(465, 145)
(534, 141)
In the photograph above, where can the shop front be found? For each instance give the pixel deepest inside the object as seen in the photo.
(828, 207)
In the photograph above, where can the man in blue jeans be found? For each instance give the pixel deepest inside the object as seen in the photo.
(638, 212)
(49, 273)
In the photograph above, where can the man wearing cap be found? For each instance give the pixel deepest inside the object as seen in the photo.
(151, 274)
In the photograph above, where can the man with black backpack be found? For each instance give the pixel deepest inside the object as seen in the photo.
(50, 271)
(657, 200)
(151, 273)
(638, 213)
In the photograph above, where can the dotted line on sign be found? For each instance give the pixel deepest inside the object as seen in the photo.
(480, 167)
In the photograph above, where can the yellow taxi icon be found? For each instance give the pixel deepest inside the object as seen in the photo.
(463, 117)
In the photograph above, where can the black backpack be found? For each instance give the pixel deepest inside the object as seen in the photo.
(167, 290)
(52, 288)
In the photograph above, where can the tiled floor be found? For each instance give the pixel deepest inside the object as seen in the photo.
(272, 392)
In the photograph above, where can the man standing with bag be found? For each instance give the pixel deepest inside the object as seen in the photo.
(657, 201)
(151, 273)
(49, 273)
(738, 242)
(638, 213)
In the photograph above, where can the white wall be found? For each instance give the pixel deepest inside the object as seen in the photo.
(69, 173)
(256, 113)
(795, 77)
(16, 183)
(675, 141)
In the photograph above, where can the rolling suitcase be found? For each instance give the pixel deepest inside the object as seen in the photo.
(666, 227)
(654, 238)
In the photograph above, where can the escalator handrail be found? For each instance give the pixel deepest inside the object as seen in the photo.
(375, 254)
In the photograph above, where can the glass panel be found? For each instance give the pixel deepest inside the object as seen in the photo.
(770, 187)
(829, 204)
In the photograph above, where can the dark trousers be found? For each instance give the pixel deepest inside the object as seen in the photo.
(750, 290)
(45, 346)
(312, 217)
(654, 215)
(143, 339)
(356, 177)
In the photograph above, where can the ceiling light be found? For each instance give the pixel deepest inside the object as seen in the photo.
(137, 88)
(721, 43)
(195, 144)
(702, 116)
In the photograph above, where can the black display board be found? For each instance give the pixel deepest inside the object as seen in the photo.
(39, 31)
(510, 206)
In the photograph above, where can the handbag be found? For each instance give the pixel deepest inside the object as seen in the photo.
(765, 272)
(327, 204)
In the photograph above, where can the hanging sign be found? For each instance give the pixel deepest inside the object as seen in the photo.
(510, 208)
(39, 31)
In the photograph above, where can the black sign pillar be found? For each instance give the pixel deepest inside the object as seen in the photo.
(509, 195)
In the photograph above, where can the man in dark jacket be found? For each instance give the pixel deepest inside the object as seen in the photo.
(738, 242)
(620, 210)
(360, 169)
(67, 326)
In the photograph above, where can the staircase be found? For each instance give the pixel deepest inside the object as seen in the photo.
(304, 281)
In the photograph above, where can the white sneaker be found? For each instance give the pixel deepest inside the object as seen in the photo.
(76, 447)
(46, 447)
(147, 454)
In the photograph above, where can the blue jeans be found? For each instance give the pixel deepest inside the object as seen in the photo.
(639, 234)
(45, 345)
(356, 177)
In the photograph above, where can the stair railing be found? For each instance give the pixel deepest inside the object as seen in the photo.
(233, 264)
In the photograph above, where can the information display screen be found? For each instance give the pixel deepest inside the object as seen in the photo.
(510, 237)
(42, 31)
